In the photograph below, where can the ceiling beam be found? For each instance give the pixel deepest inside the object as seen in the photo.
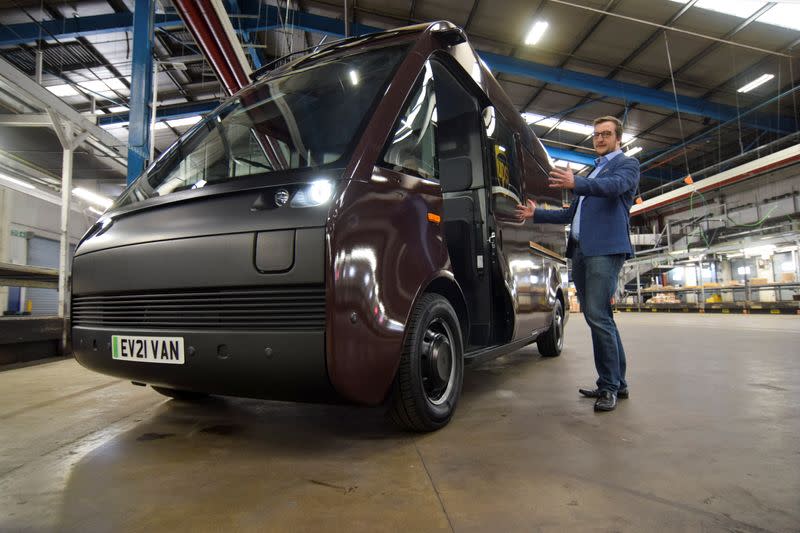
(590, 83)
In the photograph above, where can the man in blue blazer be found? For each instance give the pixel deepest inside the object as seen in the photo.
(599, 243)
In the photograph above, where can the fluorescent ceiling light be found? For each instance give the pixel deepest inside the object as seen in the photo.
(188, 121)
(62, 90)
(537, 30)
(633, 151)
(16, 181)
(575, 167)
(99, 112)
(96, 211)
(567, 125)
(761, 80)
(118, 109)
(354, 77)
(92, 197)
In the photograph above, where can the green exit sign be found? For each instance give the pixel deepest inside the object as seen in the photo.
(19, 233)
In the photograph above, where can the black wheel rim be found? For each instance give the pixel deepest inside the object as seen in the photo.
(558, 329)
(437, 361)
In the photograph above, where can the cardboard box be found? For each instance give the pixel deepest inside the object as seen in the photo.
(758, 281)
(788, 277)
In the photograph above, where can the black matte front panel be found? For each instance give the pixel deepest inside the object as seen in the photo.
(200, 262)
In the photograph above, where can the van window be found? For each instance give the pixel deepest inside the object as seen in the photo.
(412, 146)
(306, 118)
(505, 171)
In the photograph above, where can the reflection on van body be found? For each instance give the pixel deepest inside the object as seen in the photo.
(343, 229)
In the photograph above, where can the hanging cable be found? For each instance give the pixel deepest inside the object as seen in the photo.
(677, 107)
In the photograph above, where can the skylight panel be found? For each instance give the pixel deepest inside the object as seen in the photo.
(103, 86)
(188, 121)
(62, 90)
(784, 15)
(737, 8)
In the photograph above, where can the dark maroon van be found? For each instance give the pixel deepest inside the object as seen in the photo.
(343, 229)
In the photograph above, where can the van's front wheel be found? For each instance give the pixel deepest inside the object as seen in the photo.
(552, 341)
(428, 382)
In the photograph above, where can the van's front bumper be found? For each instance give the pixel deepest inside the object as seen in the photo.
(287, 365)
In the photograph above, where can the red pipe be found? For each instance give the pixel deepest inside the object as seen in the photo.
(224, 43)
(198, 24)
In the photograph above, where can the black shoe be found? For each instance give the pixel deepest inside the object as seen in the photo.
(607, 401)
(622, 394)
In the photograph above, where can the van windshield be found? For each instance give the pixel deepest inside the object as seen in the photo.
(307, 118)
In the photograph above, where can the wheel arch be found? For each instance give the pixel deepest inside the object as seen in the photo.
(445, 285)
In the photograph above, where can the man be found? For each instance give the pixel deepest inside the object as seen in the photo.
(599, 243)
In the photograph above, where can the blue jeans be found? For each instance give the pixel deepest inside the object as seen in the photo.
(595, 282)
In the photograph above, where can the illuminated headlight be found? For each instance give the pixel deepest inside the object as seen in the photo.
(315, 194)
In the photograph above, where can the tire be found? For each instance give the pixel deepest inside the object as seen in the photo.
(181, 395)
(428, 382)
(552, 341)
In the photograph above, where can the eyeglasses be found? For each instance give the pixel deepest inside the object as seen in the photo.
(603, 134)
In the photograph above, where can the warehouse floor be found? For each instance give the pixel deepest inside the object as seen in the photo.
(709, 441)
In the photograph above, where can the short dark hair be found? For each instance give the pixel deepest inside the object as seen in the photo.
(617, 124)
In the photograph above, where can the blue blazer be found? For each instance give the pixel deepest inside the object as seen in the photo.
(605, 214)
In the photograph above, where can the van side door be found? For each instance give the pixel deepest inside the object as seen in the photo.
(519, 270)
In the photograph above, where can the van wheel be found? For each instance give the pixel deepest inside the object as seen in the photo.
(552, 341)
(181, 395)
(428, 383)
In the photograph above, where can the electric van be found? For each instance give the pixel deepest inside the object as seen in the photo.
(341, 230)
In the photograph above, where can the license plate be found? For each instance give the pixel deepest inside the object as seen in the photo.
(167, 350)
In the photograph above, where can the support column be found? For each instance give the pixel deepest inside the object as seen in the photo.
(64, 264)
(141, 88)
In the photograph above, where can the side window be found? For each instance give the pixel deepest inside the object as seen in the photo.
(412, 146)
(505, 170)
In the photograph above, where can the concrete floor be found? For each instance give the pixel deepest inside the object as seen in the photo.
(709, 441)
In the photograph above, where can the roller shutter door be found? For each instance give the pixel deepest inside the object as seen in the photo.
(43, 253)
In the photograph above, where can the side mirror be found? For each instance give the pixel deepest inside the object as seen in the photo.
(489, 120)
(455, 173)
(450, 36)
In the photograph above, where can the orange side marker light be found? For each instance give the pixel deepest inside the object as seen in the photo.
(432, 217)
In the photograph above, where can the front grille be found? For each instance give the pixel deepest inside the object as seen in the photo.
(284, 308)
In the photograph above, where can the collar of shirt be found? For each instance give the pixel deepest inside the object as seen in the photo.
(603, 159)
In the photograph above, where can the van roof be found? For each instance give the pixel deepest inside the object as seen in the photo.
(345, 45)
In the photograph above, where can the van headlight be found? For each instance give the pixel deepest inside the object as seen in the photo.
(317, 193)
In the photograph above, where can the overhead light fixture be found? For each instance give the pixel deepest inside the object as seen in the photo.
(761, 80)
(537, 30)
(633, 151)
(118, 109)
(354, 77)
(534, 119)
(574, 167)
(92, 197)
(96, 211)
(16, 181)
